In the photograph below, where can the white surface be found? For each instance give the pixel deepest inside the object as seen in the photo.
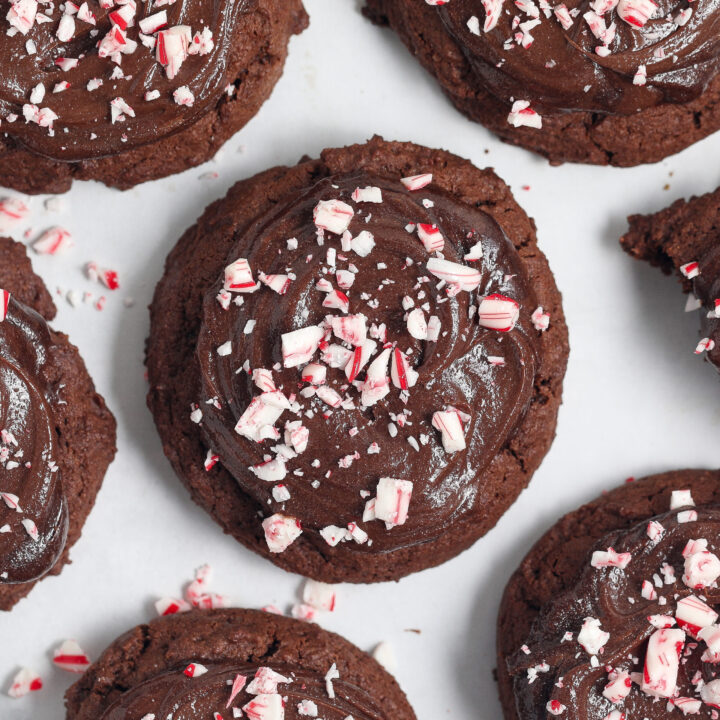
(637, 400)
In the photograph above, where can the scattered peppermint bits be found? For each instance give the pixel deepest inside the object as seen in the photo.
(71, 657)
(522, 115)
(280, 532)
(24, 682)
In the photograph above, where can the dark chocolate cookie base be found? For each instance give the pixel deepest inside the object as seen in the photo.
(254, 67)
(557, 559)
(194, 265)
(581, 137)
(679, 234)
(227, 636)
(85, 427)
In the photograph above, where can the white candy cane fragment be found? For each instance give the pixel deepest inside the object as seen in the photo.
(640, 77)
(522, 115)
(431, 237)
(497, 312)
(475, 253)
(238, 277)
(278, 283)
(618, 686)
(610, 558)
(30, 526)
(592, 638)
(702, 569)
(710, 635)
(359, 359)
(12, 211)
(661, 621)
(299, 346)
(319, 595)
(555, 707)
(540, 319)
(636, 12)
(271, 470)
(24, 682)
(337, 300)
(281, 531)
(4, 302)
(194, 670)
(314, 373)
(417, 325)
(363, 243)
(171, 606)
(345, 279)
(333, 215)
(377, 383)
(689, 706)
(662, 661)
(692, 615)
(681, 498)
(710, 693)
(464, 277)
(705, 345)
(385, 655)
(22, 15)
(449, 424)
(655, 531)
(236, 689)
(152, 23)
(367, 194)
(393, 500)
(71, 657)
(265, 707)
(417, 182)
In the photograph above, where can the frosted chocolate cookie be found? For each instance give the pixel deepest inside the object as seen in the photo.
(618, 82)
(356, 363)
(57, 438)
(235, 663)
(614, 612)
(124, 93)
(684, 239)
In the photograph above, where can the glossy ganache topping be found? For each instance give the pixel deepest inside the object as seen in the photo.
(705, 276)
(261, 693)
(91, 79)
(607, 56)
(33, 509)
(371, 346)
(638, 636)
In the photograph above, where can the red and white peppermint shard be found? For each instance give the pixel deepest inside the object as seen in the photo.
(522, 115)
(195, 670)
(151, 24)
(337, 300)
(464, 277)
(12, 211)
(431, 237)
(333, 216)
(377, 383)
(403, 376)
(618, 686)
(299, 346)
(53, 241)
(417, 325)
(119, 109)
(278, 283)
(359, 359)
(636, 12)
(417, 182)
(31, 529)
(237, 686)
(24, 682)
(610, 558)
(171, 606)
(690, 270)
(314, 373)
(692, 615)
(265, 682)
(681, 498)
(22, 15)
(449, 424)
(238, 277)
(555, 707)
(710, 635)
(702, 569)
(71, 657)
(592, 638)
(662, 661)
(265, 707)
(4, 302)
(493, 8)
(497, 312)
(705, 345)
(172, 47)
(351, 329)
(540, 319)
(393, 500)
(319, 595)
(281, 532)
(655, 531)
(640, 77)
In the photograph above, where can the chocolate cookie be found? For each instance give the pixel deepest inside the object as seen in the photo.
(609, 83)
(206, 664)
(631, 560)
(684, 239)
(125, 94)
(57, 438)
(356, 363)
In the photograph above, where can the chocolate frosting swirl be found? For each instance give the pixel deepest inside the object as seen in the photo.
(172, 694)
(28, 450)
(612, 595)
(84, 128)
(456, 371)
(561, 70)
